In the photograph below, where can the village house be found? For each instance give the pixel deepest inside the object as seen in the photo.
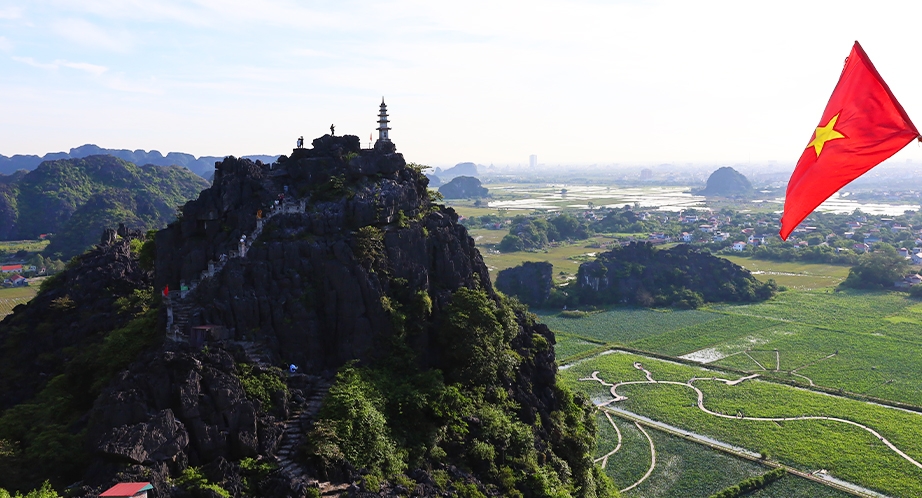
(909, 281)
(916, 258)
(16, 281)
(903, 252)
(11, 268)
(739, 245)
(686, 237)
(706, 228)
(859, 248)
(756, 239)
(128, 490)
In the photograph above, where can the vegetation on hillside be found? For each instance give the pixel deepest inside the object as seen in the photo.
(395, 415)
(681, 276)
(75, 199)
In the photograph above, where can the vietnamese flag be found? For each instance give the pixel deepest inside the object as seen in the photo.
(862, 125)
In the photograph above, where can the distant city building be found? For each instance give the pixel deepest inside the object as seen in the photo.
(533, 161)
(382, 123)
(646, 174)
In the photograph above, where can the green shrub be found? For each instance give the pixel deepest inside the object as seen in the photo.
(261, 386)
(192, 479)
(352, 416)
(45, 491)
(369, 245)
(751, 484)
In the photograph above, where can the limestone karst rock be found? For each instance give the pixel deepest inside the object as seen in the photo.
(308, 263)
(726, 181)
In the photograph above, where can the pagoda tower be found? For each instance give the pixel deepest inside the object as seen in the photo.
(382, 123)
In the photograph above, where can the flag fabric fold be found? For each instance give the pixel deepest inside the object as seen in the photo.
(863, 125)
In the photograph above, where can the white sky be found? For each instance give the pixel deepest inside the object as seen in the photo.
(575, 82)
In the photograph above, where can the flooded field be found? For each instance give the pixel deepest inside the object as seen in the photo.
(564, 196)
(580, 196)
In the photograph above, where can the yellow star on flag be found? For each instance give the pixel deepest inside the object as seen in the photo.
(825, 134)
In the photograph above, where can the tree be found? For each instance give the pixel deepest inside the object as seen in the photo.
(878, 269)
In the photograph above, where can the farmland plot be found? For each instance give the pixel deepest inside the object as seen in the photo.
(854, 311)
(568, 346)
(624, 325)
(12, 297)
(849, 452)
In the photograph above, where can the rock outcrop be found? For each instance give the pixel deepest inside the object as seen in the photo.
(531, 282)
(727, 181)
(463, 187)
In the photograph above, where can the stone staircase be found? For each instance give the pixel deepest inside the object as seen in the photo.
(178, 300)
(181, 314)
(299, 421)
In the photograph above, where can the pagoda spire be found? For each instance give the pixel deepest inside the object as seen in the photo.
(382, 123)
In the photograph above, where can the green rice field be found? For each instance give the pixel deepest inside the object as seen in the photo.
(846, 451)
(866, 343)
(685, 468)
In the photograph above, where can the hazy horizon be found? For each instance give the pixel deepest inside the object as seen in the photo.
(627, 82)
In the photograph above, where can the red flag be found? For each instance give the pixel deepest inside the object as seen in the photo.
(166, 290)
(862, 125)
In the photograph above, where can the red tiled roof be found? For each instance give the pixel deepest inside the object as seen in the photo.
(124, 489)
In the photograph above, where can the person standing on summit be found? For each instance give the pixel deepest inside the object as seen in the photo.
(332, 130)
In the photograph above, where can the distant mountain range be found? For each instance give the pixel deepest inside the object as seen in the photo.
(202, 166)
(77, 198)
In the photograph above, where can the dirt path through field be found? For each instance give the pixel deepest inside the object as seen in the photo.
(604, 458)
(652, 460)
(617, 397)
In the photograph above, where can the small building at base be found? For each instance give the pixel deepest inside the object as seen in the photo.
(128, 490)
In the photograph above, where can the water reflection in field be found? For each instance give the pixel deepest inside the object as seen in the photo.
(562, 196)
(579, 197)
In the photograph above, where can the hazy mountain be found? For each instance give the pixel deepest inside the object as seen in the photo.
(460, 169)
(202, 166)
(726, 181)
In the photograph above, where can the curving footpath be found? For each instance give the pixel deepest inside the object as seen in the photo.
(617, 397)
(604, 458)
(652, 461)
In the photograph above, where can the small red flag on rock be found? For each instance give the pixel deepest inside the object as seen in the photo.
(862, 125)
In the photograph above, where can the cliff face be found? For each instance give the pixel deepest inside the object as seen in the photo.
(312, 283)
(531, 282)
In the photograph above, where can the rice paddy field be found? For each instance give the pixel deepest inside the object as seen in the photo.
(866, 343)
(822, 431)
(813, 353)
(12, 297)
(684, 468)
